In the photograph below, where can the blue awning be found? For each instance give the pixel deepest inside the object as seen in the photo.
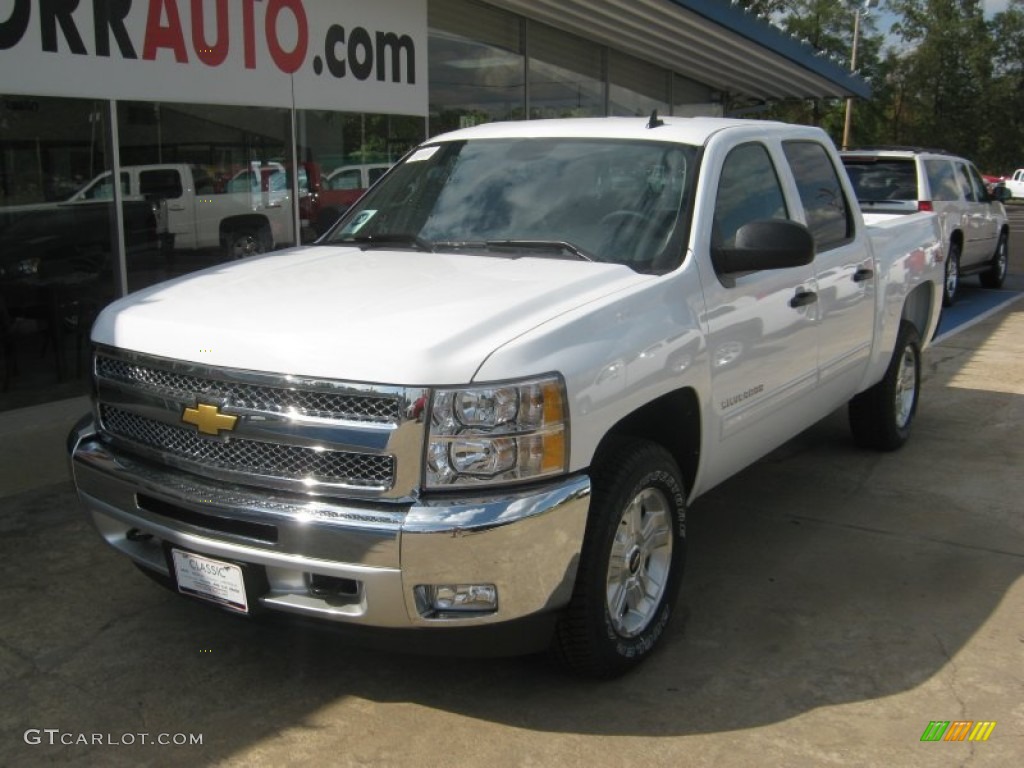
(711, 41)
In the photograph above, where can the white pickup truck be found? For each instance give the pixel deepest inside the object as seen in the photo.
(1016, 183)
(192, 213)
(479, 407)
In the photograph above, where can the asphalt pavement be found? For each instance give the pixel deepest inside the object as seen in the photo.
(837, 604)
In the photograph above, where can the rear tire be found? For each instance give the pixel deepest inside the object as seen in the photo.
(631, 564)
(242, 243)
(951, 281)
(881, 417)
(996, 274)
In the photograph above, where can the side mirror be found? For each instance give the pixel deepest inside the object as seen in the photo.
(1001, 193)
(766, 244)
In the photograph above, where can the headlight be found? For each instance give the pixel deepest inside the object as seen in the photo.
(497, 433)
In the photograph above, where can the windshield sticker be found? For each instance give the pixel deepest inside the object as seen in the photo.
(422, 154)
(359, 222)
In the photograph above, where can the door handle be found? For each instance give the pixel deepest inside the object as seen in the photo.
(803, 298)
(863, 274)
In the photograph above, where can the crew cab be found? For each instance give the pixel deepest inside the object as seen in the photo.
(481, 404)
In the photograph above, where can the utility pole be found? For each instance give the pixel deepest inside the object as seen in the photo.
(865, 8)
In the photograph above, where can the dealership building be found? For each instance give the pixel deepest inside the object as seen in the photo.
(247, 125)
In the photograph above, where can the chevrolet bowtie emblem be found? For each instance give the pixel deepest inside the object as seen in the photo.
(208, 419)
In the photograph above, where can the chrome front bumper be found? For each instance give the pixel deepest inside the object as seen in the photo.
(525, 543)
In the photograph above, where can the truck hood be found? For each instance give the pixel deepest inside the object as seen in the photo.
(390, 317)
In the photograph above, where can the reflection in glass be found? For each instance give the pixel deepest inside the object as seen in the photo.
(56, 255)
(342, 155)
(565, 75)
(691, 99)
(218, 178)
(598, 199)
(748, 190)
(477, 70)
(825, 206)
(635, 87)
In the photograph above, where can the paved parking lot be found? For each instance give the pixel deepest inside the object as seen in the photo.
(835, 603)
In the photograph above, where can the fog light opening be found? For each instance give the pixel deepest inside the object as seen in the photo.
(437, 601)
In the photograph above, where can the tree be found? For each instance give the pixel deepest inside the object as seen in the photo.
(827, 26)
(944, 75)
(1003, 147)
(765, 8)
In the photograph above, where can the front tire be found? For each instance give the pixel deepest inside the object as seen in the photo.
(996, 274)
(631, 564)
(881, 417)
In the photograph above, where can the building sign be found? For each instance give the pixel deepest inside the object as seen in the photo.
(347, 55)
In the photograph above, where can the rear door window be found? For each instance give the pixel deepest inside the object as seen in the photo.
(965, 182)
(980, 190)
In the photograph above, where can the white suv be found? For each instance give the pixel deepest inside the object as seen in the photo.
(973, 221)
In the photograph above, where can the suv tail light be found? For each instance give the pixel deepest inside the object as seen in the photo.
(925, 205)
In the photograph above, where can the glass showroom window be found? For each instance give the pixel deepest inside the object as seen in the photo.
(217, 177)
(56, 255)
(566, 75)
(692, 99)
(341, 155)
(477, 70)
(635, 87)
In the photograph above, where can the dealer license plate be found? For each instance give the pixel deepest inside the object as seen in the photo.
(212, 580)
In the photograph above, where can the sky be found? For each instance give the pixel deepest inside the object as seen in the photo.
(994, 6)
(884, 20)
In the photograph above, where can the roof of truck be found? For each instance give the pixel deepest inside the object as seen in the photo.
(687, 130)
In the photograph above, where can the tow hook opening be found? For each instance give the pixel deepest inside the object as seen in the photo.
(332, 586)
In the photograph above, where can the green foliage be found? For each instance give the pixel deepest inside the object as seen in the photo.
(828, 26)
(942, 75)
(764, 7)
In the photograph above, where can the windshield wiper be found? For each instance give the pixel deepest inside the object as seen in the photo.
(385, 239)
(457, 245)
(561, 245)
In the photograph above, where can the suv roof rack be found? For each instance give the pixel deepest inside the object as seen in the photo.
(899, 148)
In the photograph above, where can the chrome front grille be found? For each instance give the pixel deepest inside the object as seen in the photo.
(302, 434)
(249, 456)
(382, 410)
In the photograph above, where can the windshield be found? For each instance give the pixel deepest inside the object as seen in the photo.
(599, 199)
